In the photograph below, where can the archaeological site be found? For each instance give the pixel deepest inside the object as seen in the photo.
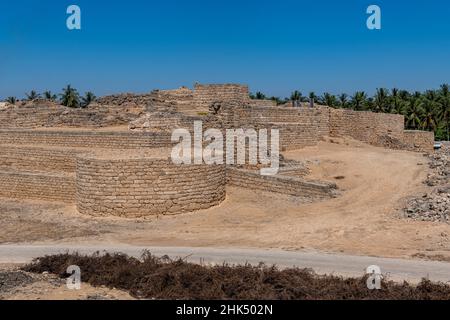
(113, 157)
(350, 183)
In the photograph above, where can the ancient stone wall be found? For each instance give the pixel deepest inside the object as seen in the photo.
(365, 126)
(31, 185)
(85, 138)
(207, 95)
(299, 127)
(47, 114)
(262, 103)
(32, 158)
(180, 100)
(126, 99)
(252, 180)
(419, 140)
(143, 187)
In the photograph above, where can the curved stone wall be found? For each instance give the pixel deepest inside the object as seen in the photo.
(145, 186)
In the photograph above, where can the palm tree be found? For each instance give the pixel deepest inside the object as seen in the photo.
(296, 98)
(33, 95)
(70, 97)
(381, 101)
(444, 100)
(404, 95)
(430, 107)
(11, 100)
(414, 113)
(329, 100)
(50, 96)
(343, 99)
(260, 96)
(88, 98)
(358, 101)
(398, 105)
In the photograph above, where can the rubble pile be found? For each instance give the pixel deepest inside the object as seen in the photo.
(390, 142)
(435, 205)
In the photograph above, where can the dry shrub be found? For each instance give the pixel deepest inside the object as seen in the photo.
(162, 278)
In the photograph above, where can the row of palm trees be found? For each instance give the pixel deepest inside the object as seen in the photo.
(429, 110)
(69, 97)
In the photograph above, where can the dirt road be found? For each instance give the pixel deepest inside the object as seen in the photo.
(342, 265)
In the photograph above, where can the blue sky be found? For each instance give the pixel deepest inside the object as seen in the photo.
(273, 46)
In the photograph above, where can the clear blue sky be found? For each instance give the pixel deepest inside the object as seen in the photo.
(273, 46)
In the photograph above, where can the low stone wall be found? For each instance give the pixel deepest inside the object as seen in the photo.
(181, 100)
(419, 140)
(145, 187)
(365, 126)
(38, 159)
(40, 114)
(262, 103)
(40, 186)
(299, 127)
(310, 191)
(206, 95)
(123, 99)
(97, 139)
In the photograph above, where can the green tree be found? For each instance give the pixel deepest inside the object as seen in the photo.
(50, 96)
(444, 100)
(358, 101)
(343, 100)
(329, 100)
(296, 97)
(11, 100)
(414, 113)
(33, 95)
(88, 98)
(430, 107)
(381, 101)
(260, 96)
(70, 97)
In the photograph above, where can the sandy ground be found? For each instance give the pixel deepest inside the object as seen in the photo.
(364, 220)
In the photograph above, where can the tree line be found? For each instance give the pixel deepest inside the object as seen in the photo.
(428, 110)
(69, 97)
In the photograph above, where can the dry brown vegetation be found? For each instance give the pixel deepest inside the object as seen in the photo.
(162, 278)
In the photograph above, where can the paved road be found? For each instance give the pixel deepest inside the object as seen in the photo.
(343, 265)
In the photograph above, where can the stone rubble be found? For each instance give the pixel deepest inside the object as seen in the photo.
(435, 205)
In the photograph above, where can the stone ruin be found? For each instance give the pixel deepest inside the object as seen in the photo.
(113, 157)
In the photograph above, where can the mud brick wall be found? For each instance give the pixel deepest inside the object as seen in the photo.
(419, 140)
(365, 126)
(38, 159)
(26, 185)
(145, 187)
(252, 180)
(206, 95)
(97, 139)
